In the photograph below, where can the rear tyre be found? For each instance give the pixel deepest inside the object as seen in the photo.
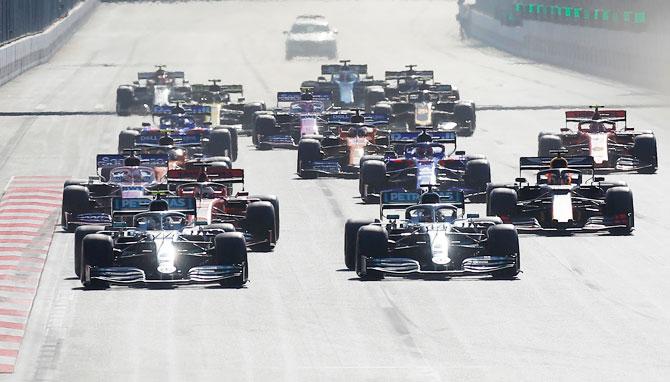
(220, 143)
(548, 143)
(372, 241)
(248, 117)
(75, 201)
(272, 199)
(231, 249)
(503, 241)
(97, 251)
(127, 140)
(644, 149)
(372, 179)
(477, 176)
(463, 114)
(351, 228)
(263, 126)
(79, 234)
(502, 203)
(260, 222)
(124, 100)
(309, 150)
(618, 204)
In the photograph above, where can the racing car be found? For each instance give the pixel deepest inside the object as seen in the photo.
(284, 127)
(348, 83)
(420, 158)
(431, 235)
(565, 198)
(225, 111)
(182, 130)
(606, 136)
(434, 107)
(150, 89)
(89, 201)
(161, 246)
(257, 217)
(340, 150)
(311, 36)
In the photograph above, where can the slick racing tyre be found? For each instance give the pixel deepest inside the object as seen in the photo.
(502, 203)
(618, 206)
(97, 251)
(372, 179)
(644, 150)
(263, 126)
(220, 143)
(373, 95)
(272, 199)
(309, 150)
(477, 176)
(351, 228)
(260, 222)
(75, 201)
(127, 139)
(231, 249)
(372, 241)
(503, 241)
(79, 234)
(125, 98)
(249, 109)
(548, 143)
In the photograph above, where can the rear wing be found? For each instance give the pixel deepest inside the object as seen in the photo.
(403, 199)
(230, 89)
(189, 109)
(296, 96)
(610, 115)
(411, 136)
(216, 174)
(344, 118)
(542, 163)
(153, 139)
(336, 68)
(152, 75)
(110, 161)
(184, 205)
(427, 75)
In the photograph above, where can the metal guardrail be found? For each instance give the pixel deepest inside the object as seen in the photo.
(19, 18)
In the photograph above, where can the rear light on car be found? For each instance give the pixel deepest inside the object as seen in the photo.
(620, 219)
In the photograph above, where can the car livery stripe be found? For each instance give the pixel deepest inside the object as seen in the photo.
(29, 208)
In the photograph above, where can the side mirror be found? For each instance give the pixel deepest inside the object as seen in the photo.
(393, 217)
(521, 180)
(599, 179)
(460, 152)
(472, 216)
(119, 224)
(201, 223)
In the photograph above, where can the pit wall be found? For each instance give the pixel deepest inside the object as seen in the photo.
(638, 58)
(27, 52)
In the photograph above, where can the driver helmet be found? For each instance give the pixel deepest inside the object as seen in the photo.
(430, 198)
(558, 162)
(596, 127)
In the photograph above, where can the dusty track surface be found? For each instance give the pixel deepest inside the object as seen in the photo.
(585, 308)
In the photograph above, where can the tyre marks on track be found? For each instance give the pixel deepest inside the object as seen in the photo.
(29, 209)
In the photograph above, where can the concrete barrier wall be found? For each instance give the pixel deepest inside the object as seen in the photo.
(20, 55)
(638, 58)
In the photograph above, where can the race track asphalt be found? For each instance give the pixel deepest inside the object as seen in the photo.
(588, 307)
